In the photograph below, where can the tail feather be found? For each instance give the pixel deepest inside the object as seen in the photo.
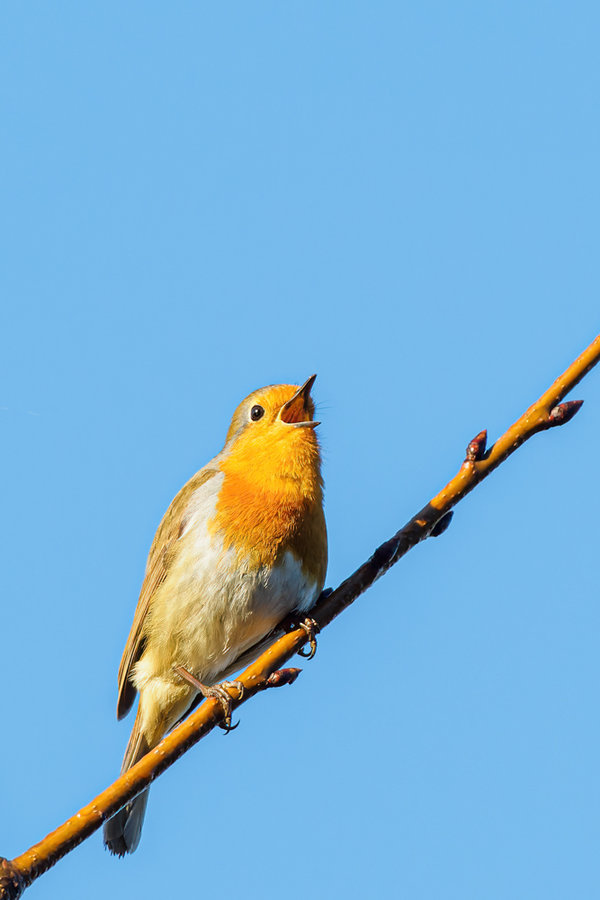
(122, 833)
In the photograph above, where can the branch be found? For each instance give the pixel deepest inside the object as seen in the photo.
(432, 520)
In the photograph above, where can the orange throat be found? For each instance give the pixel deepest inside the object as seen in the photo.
(271, 501)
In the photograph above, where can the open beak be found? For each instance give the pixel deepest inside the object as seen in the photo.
(297, 409)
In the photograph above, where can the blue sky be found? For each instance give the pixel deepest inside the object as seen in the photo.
(199, 200)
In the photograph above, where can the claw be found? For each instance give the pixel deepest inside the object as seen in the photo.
(216, 692)
(312, 629)
(226, 701)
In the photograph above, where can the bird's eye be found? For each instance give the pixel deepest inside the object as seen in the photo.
(256, 413)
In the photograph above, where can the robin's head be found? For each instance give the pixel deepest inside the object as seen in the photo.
(275, 411)
(273, 431)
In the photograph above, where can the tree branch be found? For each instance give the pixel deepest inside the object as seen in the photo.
(432, 520)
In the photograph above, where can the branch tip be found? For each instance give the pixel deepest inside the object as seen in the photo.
(476, 447)
(564, 412)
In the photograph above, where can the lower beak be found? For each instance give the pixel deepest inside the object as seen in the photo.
(298, 406)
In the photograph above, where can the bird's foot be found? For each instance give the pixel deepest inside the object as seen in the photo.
(221, 693)
(312, 629)
(218, 692)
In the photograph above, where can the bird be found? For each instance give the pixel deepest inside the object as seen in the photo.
(242, 546)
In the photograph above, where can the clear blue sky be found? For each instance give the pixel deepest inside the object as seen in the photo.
(200, 199)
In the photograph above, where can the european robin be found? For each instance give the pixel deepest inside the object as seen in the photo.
(242, 546)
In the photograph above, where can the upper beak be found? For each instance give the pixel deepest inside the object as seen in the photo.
(297, 407)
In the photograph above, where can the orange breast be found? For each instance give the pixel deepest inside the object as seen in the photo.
(271, 502)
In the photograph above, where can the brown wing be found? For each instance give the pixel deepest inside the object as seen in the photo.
(157, 568)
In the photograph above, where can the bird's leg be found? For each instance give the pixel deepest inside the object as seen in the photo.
(312, 629)
(217, 692)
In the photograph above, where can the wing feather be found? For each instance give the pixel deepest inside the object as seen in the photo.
(157, 568)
